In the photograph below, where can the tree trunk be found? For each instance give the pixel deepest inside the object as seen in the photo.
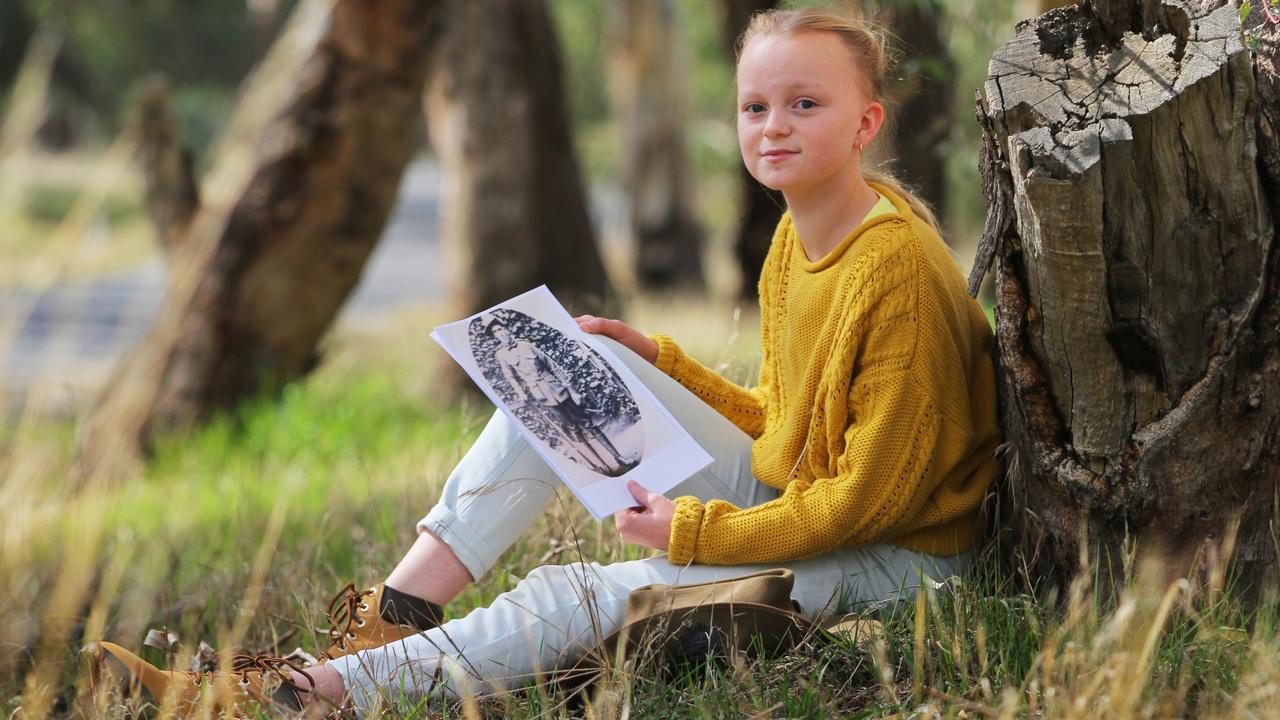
(760, 207)
(922, 119)
(515, 213)
(299, 199)
(1124, 164)
(16, 30)
(647, 79)
(168, 168)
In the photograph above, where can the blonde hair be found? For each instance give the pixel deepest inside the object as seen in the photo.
(866, 45)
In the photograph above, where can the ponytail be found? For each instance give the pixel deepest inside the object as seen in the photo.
(919, 207)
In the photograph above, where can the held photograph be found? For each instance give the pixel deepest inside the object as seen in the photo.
(578, 405)
(560, 390)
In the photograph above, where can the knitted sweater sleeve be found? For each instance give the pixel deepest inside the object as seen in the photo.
(744, 407)
(880, 477)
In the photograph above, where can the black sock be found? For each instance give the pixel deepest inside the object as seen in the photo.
(404, 609)
(288, 695)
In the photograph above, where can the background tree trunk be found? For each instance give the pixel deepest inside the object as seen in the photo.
(921, 117)
(299, 199)
(16, 29)
(515, 210)
(760, 207)
(1136, 283)
(168, 168)
(648, 74)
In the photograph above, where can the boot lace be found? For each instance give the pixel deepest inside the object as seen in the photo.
(344, 614)
(262, 664)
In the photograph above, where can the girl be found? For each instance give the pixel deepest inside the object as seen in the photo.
(858, 460)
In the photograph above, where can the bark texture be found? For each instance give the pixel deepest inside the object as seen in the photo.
(1133, 243)
(1047, 5)
(648, 74)
(760, 207)
(515, 213)
(299, 198)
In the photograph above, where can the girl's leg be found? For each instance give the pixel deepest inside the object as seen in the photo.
(558, 612)
(501, 485)
(554, 614)
(841, 580)
(430, 570)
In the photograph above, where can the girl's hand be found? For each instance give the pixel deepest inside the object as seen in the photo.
(633, 339)
(648, 525)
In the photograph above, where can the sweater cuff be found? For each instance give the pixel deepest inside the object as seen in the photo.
(685, 525)
(668, 353)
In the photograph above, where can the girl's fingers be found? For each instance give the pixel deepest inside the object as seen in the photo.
(638, 492)
(638, 343)
(615, 329)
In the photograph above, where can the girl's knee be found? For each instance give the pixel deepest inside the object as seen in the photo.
(576, 583)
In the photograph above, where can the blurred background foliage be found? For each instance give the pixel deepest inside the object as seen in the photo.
(88, 216)
(205, 48)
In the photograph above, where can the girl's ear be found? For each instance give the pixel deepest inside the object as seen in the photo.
(872, 121)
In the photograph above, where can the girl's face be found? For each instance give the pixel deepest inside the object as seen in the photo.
(802, 111)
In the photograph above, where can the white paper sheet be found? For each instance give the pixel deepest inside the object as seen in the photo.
(581, 407)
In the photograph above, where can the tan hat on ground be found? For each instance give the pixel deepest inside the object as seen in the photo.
(753, 614)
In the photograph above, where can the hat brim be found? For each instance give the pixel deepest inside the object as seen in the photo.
(692, 634)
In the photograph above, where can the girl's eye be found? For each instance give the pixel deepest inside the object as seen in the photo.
(754, 107)
(806, 104)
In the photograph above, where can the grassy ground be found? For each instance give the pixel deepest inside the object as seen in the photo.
(238, 535)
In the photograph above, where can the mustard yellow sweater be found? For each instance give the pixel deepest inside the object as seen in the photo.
(875, 411)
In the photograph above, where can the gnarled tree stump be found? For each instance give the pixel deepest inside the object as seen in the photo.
(1134, 253)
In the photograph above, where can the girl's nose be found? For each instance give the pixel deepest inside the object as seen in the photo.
(776, 125)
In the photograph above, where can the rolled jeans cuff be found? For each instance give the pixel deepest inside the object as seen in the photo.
(475, 553)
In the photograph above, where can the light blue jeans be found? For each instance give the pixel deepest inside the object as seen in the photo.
(558, 611)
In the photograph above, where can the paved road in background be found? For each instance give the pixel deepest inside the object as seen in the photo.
(78, 329)
(72, 333)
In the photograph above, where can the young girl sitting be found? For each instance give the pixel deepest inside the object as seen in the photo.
(858, 460)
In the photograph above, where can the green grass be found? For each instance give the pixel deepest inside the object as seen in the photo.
(341, 467)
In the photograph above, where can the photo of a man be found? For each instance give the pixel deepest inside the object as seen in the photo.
(575, 410)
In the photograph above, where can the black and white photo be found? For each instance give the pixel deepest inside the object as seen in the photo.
(561, 390)
(581, 408)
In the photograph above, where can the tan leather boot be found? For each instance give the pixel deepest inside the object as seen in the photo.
(253, 682)
(356, 624)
